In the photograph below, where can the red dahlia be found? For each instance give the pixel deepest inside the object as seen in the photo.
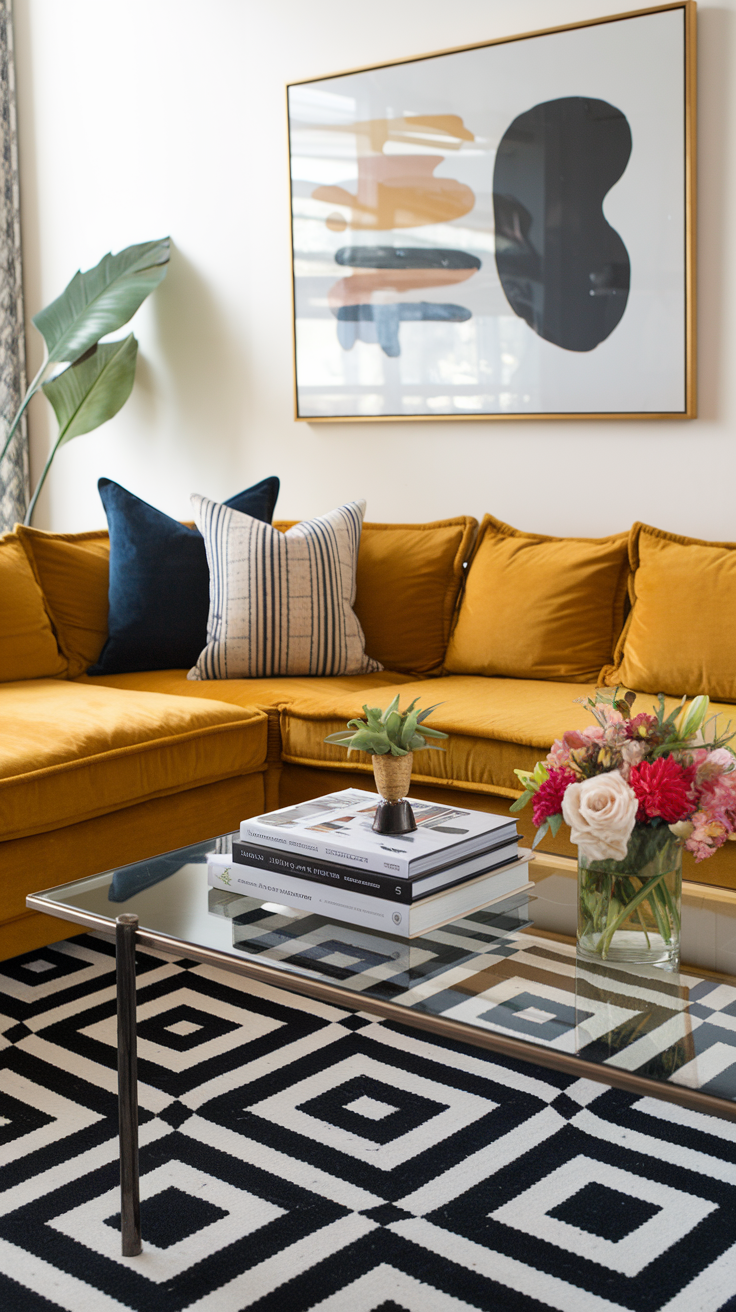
(663, 788)
(548, 800)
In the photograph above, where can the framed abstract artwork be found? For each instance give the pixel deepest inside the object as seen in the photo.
(503, 231)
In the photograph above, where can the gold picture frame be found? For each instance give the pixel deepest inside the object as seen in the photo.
(365, 147)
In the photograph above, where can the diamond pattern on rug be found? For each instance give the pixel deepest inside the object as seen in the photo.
(295, 1155)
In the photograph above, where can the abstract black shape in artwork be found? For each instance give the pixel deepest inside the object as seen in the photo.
(380, 323)
(562, 266)
(404, 257)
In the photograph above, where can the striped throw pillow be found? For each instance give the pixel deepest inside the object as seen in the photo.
(281, 603)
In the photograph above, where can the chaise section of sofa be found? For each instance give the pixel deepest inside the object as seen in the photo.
(93, 777)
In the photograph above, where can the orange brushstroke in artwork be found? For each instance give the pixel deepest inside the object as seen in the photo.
(400, 191)
(414, 130)
(359, 288)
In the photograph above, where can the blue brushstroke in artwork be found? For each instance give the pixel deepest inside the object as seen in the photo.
(562, 266)
(404, 257)
(382, 321)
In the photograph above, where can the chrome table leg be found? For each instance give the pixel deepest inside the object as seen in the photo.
(130, 1199)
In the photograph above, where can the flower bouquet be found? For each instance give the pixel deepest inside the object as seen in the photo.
(635, 790)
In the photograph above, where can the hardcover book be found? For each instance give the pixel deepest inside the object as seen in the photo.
(338, 827)
(369, 881)
(372, 912)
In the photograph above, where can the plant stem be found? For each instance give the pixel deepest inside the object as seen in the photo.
(40, 483)
(23, 405)
(640, 918)
(644, 892)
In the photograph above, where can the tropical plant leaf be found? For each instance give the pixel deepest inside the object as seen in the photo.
(101, 300)
(91, 391)
(423, 714)
(390, 709)
(392, 727)
(409, 728)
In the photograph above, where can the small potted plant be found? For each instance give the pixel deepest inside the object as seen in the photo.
(391, 737)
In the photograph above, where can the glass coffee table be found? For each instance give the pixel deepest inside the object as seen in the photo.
(504, 978)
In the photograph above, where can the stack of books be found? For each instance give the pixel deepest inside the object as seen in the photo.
(324, 857)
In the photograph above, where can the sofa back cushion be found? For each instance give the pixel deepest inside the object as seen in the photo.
(538, 607)
(680, 636)
(281, 603)
(159, 581)
(28, 648)
(72, 571)
(408, 581)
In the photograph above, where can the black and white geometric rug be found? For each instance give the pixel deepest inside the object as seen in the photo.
(296, 1157)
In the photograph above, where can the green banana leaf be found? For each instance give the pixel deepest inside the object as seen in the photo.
(92, 390)
(87, 394)
(101, 300)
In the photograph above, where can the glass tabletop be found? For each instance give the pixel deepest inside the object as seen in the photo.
(504, 975)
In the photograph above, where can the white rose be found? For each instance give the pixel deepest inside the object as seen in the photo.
(601, 813)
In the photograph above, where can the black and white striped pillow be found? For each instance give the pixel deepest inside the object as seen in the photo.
(281, 603)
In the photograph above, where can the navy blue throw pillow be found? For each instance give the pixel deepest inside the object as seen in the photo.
(159, 589)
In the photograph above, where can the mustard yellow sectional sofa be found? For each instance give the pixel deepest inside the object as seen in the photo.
(99, 771)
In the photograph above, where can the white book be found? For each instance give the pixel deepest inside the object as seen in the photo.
(338, 827)
(372, 912)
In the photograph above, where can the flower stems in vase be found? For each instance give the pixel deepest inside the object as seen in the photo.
(629, 910)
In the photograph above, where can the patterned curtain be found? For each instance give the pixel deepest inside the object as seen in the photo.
(14, 469)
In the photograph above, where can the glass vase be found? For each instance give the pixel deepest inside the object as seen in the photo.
(630, 910)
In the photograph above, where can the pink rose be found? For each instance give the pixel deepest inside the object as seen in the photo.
(601, 813)
(712, 764)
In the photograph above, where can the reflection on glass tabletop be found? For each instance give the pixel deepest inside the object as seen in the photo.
(506, 970)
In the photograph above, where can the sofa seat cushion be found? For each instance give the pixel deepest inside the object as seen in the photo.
(69, 752)
(495, 725)
(250, 692)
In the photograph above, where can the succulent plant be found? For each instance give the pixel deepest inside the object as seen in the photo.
(390, 731)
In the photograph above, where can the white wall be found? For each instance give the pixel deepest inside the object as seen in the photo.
(149, 117)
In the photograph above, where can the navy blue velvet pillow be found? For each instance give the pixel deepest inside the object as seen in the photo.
(159, 581)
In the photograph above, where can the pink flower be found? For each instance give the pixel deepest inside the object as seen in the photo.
(707, 836)
(715, 819)
(631, 754)
(709, 765)
(639, 725)
(663, 788)
(595, 734)
(574, 746)
(548, 798)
